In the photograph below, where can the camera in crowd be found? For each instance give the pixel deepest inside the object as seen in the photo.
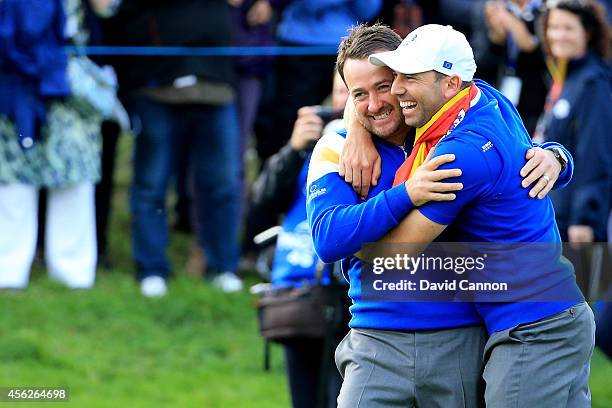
(327, 113)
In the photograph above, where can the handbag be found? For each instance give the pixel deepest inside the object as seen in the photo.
(94, 88)
(310, 312)
(305, 312)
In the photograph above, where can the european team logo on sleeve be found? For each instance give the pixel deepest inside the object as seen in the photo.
(315, 191)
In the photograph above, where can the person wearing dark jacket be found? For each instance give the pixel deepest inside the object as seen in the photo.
(180, 101)
(511, 27)
(294, 83)
(49, 139)
(307, 23)
(252, 26)
(577, 115)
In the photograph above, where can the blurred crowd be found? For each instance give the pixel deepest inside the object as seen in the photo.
(205, 127)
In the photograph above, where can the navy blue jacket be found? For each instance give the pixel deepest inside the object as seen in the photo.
(581, 121)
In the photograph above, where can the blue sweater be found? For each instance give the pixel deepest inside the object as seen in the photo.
(323, 22)
(490, 145)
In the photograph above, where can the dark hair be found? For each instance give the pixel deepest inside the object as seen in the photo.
(592, 17)
(363, 41)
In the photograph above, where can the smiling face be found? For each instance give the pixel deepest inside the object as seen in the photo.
(377, 109)
(420, 96)
(566, 36)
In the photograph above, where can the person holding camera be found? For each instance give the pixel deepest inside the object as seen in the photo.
(512, 42)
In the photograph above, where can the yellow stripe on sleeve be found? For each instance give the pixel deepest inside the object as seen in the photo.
(328, 155)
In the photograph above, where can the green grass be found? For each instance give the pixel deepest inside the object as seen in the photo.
(112, 348)
(601, 381)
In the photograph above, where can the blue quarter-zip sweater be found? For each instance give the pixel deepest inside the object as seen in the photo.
(489, 145)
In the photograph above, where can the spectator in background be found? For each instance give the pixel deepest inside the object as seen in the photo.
(91, 16)
(511, 29)
(48, 138)
(177, 101)
(458, 13)
(298, 79)
(577, 114)
(402, 16)
(252, 27)
(96, 14)
(467, 16)
(281, 189)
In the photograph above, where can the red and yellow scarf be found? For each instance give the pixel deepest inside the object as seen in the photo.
(430, 134)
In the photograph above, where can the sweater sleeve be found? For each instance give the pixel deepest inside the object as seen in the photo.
(340, 223)
(566, 175)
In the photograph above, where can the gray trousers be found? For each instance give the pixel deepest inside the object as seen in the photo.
(542, 364)
(429, 369)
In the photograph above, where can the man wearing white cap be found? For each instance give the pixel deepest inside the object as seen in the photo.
(538, 353)
(442, 342)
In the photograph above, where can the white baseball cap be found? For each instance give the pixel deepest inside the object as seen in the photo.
(431, 47)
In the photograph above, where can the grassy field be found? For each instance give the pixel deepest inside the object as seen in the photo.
(112, 348)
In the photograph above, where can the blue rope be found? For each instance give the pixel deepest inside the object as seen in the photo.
(202, 51)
